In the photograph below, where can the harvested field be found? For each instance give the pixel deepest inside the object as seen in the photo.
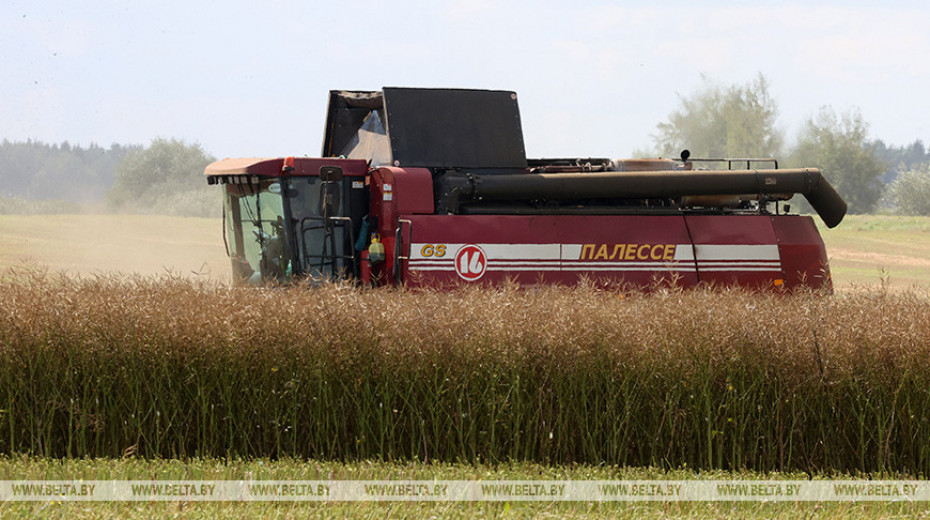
(868, 250)
(86, 245)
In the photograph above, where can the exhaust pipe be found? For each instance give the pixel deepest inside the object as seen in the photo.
(808, 182)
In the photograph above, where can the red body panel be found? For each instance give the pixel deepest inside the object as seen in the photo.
(803, 255)
(396, 192)
(750, 250)
(632, 249)
(639, 250)
(735, 250)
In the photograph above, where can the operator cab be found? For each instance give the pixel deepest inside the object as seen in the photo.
(291, 217)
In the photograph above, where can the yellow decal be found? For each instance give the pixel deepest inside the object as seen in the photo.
(631, 252)
(437, 251)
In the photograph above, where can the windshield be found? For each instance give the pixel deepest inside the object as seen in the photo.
(258, 241)
(255, 225)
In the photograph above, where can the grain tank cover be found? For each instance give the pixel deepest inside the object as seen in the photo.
(430, 128)
(446, 128)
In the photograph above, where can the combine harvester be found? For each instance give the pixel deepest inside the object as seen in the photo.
(432, 187)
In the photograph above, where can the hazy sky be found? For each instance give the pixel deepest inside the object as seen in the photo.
(251, 78)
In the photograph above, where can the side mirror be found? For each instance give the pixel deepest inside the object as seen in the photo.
(330, 195)
(330, 173)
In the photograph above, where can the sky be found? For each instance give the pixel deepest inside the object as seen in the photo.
(594, 78)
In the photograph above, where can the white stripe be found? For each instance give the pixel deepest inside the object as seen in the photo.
(556, 267)
(522, 251)
(431, 262)
(498, 251)
(684, 252)
(737, 252)
(571, 251)
(746, 269)
(550, 267)
(656, 269)
(563, 268)
(566, 263)
(540, 268)
(703, 265)
(523, 262)
(566, 268)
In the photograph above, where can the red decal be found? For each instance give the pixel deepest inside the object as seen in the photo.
(471, 262)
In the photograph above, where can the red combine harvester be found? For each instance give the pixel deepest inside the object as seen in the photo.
(432, 187)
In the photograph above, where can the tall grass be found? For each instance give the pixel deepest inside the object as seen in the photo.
(703, 379)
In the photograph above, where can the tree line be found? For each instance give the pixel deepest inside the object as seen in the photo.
(36, 171)
(166, 177)
(740, 121)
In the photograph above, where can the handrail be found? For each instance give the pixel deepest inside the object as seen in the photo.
(322, 257)
(398, 248)
(731, 160)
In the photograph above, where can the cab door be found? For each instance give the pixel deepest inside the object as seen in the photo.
(327, 217)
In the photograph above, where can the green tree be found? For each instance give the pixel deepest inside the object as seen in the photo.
(737, 121)
(899, 159)
(837, 144)
(34, 171)
(909, 194)
(165, 178)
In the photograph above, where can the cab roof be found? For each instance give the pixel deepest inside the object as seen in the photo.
(275, 167)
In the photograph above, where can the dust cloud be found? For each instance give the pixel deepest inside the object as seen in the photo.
(127, 244)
